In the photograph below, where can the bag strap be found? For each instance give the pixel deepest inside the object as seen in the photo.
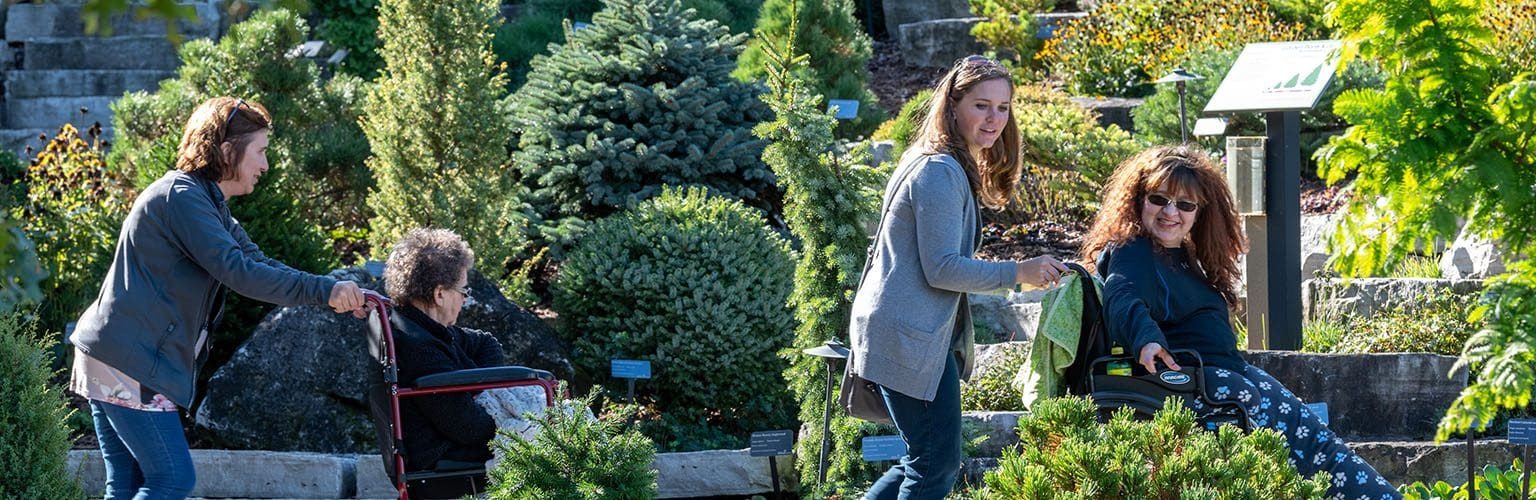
(904, 171)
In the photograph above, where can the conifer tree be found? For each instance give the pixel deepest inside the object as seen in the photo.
(837, 49)
(34, 443)
(438, 139)
(640, 99)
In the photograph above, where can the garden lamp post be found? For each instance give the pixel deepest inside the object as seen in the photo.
(1178, 77)
(832, 352)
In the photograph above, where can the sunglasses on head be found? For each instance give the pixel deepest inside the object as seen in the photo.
(231, 117)
(1163, 201)
(975, 60)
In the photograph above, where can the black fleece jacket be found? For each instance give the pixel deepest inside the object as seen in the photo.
(434, 424)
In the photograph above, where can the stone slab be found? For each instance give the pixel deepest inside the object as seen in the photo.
(717, 473)
(1000, 427)
(81, 82)
(899, 12)
(372, 481)
(124, 52)
(1112, 110)
(48, 113)
(1375, 397)
(938, 43)
(35, 21)
(1361, 298)
(244, 474)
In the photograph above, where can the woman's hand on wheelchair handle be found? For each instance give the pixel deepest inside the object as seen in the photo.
(1040, 271)
(1154, 352)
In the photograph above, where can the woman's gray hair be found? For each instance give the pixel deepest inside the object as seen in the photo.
(423, 261)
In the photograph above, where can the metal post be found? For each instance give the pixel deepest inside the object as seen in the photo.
(1525, 477)
(1282, 204)
(773, 470)
(826, 427)
(631, 390)
(1183, 123)
(1471, 463)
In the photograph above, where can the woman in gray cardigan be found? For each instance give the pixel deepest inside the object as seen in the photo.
(911, 328)
(139, 345)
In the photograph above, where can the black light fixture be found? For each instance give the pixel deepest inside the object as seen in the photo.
(832, 352)
(1178, 77)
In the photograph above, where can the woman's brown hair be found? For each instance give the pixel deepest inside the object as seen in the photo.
(1216, 239)
(215, 122)
(995, 176)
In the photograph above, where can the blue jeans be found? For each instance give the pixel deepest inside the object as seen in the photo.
(931, 430)
(145, 451)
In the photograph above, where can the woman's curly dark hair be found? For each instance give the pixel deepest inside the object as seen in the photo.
(423, 261)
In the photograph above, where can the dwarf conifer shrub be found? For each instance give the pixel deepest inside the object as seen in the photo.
(20, 272)
(696, 284)
(1065, 453)
(576, 456)
(34, 443)
(641, 99)
(838, 51)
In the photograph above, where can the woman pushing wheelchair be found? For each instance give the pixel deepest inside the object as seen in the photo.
(1166, 242)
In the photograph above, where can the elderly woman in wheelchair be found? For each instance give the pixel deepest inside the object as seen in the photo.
(1166, 242)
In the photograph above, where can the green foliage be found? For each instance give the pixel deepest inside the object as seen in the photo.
(1065, 453)
(20, 272)
(1009, 29)
(437, 135)
(1437, 323)
(576, 456)
(1067, 156)
(903, 128)
(1512, 22)
(1122, 45)
(74, 208)
(993, 390)
(1443, 141)
(352, 25)
(696, 284)
(13, 179)
(1157, 119)
(1310, 15)
(1493, 483)
(838, 50)
(34, 443)
(826, 198)
(537, 24)
(640, 100)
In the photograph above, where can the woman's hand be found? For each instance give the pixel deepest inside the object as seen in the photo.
(1040, 271)
(346, 297)
(1154, 352)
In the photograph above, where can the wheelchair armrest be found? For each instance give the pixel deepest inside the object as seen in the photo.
(486, 375)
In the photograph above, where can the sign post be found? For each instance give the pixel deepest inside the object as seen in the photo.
(772, 444)
(630, 369)
(1523, 432)
(1280, 80)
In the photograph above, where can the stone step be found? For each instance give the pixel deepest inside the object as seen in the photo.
(1400, 462)
(48, 113)
(81, 82)
(34, 21)
(1371, 397)
(118, 52)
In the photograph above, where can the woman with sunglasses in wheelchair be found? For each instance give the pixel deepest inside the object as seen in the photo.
(910, 328)
(139, 346)
(1166, 241)
(427, 277)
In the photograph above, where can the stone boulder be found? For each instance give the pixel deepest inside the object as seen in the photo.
(1325, 298)
(1010, 318)
(1315, 230)
(1427, 461)
(990, 356)
(299, 382)
(1112, 110)
(1371, 397)
(899, 12)
(940, 42)
(1471, 257)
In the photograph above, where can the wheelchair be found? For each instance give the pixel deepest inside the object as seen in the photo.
(385, 393)
(1114, 380)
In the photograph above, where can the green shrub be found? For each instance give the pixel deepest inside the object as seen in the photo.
(1157, 119)
(1067, 156)
(1512, 22)
(641, 99)
(697, 285)
(1065, 453)
(576, 456)
(838, 50)
(993, 390)
(352, 25)
(903, 128)
(1009, 28)
(1436, 323)
(1493, 483)
(439, 157)
(1122, 45)
(20, 271)
(13, 180)
(827, 198)
(74, 209)
(34, 443)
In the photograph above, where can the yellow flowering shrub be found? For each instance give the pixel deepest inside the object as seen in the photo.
(1121, 46)
(1513, 23)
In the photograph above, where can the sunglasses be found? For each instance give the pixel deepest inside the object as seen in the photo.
(975, 60)
(1163, 201)
(231, 117)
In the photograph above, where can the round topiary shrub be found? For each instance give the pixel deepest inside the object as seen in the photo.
(640, 99)
(697, 285)
(1065, 453)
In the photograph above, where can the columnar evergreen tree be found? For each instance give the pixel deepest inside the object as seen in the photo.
(839, 51)
(640, 99)
(825, 199)
(438, 140)
(34, 443)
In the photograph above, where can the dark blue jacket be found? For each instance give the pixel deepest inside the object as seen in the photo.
(433, 424)
(177, 247)
(1160, 296)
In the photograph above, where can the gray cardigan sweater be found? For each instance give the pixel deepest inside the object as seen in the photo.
(178, 245)
(911, 309)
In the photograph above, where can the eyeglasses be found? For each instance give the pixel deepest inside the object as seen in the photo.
(1163, 201)
(463, 290)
